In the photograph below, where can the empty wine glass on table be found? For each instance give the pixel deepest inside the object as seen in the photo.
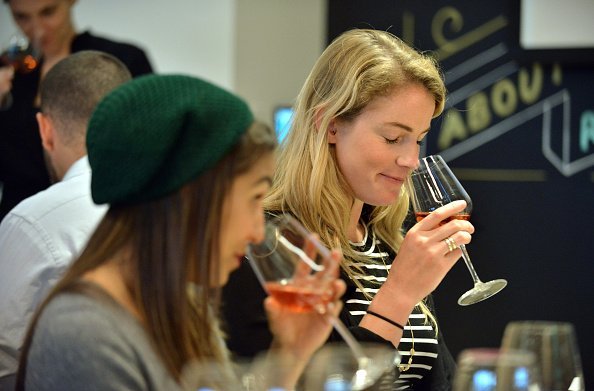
(434, 185)
(556, 350)
(488, 369)
(290, 264)
(333, 367)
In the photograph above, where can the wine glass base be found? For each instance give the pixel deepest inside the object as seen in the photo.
(482, 291)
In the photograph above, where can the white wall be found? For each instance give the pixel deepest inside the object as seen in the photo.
(261, 49)
(278, 42)
(185, 36)
(557, 24)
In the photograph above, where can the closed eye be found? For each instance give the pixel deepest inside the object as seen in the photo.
(392, 141)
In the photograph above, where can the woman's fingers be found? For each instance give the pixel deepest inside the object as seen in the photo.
(6, 76)
(451, 243)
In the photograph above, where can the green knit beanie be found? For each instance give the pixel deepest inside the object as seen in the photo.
(152, 135)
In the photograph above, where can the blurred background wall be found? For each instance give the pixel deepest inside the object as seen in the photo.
(261, 49)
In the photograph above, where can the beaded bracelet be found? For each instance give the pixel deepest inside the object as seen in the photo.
(393, 323)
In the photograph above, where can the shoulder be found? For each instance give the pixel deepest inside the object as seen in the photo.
(58, 198)
(83, 342)
(72, 319)
(133, 56)
(58, 220)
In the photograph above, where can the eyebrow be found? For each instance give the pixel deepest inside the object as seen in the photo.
(406, 127)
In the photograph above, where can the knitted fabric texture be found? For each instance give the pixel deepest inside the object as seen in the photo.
(152, 135)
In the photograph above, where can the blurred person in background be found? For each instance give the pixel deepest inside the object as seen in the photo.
(49, 26)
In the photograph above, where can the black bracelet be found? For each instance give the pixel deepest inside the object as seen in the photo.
(401, 327)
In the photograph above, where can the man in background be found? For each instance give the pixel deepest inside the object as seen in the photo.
(49, 26)
(44, 233)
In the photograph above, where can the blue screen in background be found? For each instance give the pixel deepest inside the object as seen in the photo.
(282, 121)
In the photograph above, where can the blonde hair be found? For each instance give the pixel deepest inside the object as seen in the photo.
(357, 67)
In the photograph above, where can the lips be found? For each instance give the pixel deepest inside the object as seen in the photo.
(394, 179)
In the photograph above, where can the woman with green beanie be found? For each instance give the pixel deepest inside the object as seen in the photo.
(185, 168)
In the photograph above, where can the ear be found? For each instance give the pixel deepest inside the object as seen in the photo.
(46, 131)
(332, 130)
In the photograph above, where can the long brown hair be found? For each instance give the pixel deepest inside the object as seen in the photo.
(169, 242)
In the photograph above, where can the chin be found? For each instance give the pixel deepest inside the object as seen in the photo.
(381, 201)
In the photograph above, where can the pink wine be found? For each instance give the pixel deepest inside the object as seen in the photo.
(462, 216)
(297, 298)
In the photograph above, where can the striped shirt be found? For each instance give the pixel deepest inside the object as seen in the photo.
(418, 329)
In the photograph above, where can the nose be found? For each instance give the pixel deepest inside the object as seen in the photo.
(33, 29)
(257, 233)
(409, 158)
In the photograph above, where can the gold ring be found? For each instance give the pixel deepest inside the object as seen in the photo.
(451, 244)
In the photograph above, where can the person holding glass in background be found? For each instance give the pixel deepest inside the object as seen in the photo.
(355, 137)
(48, 25)
(185, 169)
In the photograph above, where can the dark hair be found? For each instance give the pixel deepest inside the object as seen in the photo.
(164, 244)
(74, 86)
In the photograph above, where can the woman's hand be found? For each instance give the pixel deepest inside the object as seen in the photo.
(303, 332)
(422, 262)
(6, 76)
(297, 334)
(424, 257)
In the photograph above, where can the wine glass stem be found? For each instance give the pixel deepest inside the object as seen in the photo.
(469, 265)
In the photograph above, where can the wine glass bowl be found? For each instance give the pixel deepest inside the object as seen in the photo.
(291, 265)
(284, 268)
(489, 369)
(334, 368)
(20, 54)
(432, 185)
(556, 350)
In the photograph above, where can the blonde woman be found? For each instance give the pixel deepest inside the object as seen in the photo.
(359, 119)
(184, 168)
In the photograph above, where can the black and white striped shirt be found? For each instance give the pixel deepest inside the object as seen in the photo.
(418, 327)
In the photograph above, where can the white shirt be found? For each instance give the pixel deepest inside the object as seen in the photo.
(39, 239)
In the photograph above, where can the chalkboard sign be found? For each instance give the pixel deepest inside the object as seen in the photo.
(519, 133)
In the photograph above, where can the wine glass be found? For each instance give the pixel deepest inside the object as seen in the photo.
(21, 54)
(555, 347)
(290, 264)
(435, 185)
(488, 369)
(333, 367)
(23, 57)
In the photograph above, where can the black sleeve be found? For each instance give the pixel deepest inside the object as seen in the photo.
(244, 317)
(441, 376)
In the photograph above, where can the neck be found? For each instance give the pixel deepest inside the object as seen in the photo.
(67, 157)
(354, 231)
(111, 276)
(52, 57)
